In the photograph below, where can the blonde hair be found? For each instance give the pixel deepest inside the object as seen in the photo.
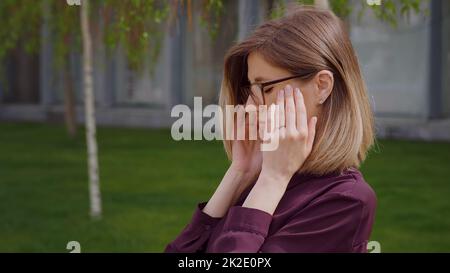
(307, 41)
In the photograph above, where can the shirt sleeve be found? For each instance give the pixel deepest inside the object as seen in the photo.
(245, 230)
(195, 235)
(334, 223)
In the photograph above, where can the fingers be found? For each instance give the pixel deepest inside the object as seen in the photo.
(251, 119)
(275, 121)
(301, 119)
(311, 132)
(289, 113)
(269, 124)
(296, 115)
(272, 119)
(240, 122)
(289, 109)
(280, 104)
(262, 111)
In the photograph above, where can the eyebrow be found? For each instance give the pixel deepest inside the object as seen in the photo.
(260, 79)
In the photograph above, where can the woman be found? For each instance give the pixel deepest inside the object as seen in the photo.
(307, 195)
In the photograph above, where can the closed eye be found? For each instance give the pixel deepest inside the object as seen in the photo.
(268, 90)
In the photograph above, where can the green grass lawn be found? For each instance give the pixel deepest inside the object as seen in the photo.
(151, 184)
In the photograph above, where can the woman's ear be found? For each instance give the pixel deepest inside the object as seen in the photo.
(324, 82)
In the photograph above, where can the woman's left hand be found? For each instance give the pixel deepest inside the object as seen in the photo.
(295, 137)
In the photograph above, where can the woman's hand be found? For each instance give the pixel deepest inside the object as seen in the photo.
(246, 154)
(244, 169)
(295, 137)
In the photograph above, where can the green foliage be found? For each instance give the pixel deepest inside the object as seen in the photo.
(64, 23)
(137, 25)
(278, 9)
(389, 11)
(341, 8)
(211, 12)
(20, 21)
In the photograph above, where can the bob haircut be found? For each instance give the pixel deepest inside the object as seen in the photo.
(306, 41)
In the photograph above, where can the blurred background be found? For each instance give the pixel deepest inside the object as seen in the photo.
(148, 56)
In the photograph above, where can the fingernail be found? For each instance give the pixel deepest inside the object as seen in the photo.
(288, 91)
(314, 119)
(297, 90)
(280, 93)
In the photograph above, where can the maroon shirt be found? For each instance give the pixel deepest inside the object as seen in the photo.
(331, 213)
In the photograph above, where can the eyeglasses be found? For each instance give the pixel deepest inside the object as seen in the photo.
(259, 86)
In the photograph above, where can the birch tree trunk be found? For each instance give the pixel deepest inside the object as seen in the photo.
(323, 4)
(94, 181)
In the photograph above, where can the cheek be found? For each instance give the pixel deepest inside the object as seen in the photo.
(311, 107)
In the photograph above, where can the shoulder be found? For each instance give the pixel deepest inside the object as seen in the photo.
(352, 185)
(348, 187)
(339, 207)
(347, 192)
(353, 203)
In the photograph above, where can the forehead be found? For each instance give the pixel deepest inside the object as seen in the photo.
(258, 69)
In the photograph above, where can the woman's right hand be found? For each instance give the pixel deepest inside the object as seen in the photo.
(247, 158)
(246, 154)
(243, 171)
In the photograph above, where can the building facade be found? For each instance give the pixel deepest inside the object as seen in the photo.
(406, 70)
